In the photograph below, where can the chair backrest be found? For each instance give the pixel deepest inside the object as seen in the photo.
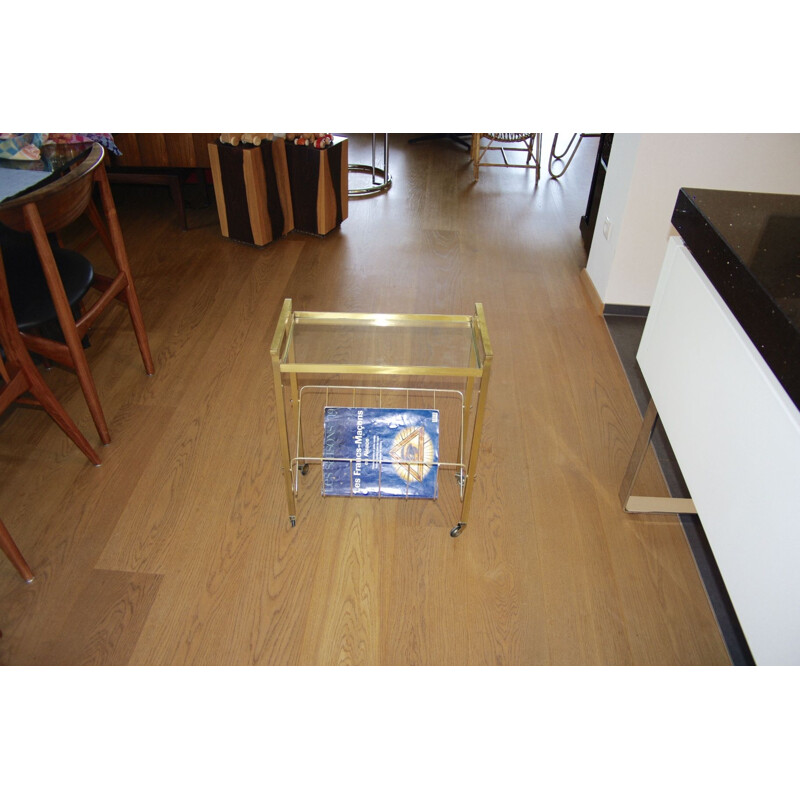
(59, 203)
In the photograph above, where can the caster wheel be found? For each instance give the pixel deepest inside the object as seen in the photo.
(457, 530)
(304, 469)
(293, 521)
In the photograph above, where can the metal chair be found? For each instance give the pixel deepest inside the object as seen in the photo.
(556, 166)
(68, 275)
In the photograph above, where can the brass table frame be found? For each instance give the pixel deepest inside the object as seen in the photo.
(475, 373)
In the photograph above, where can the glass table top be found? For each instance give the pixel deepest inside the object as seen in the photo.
(383, 342)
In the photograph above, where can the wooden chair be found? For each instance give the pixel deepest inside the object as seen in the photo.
(504, 143)
(24, 384)
(46, 211)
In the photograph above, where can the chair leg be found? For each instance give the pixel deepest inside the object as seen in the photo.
(121, 258)
(175, 191)
(476, 155)
(9, 547)
(81, 366)
(137, 320)
(24, 377)
(42, 392)
(100, 228)
(67, 321)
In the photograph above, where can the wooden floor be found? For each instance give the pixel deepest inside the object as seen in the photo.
(177, 550)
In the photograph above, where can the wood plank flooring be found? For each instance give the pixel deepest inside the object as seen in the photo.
(177, 550)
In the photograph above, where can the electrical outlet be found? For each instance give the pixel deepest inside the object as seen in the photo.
(607, 228)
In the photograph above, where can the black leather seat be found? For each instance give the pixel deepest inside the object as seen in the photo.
(30, 297)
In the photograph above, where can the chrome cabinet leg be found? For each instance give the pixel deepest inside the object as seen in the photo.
(648, 505)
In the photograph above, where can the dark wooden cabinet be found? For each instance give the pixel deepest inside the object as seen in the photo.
(589, 219)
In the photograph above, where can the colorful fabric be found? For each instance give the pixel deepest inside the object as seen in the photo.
(25, 146)
(105, 139)
(21, 146)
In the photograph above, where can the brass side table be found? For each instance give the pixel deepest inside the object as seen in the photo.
(435, 361)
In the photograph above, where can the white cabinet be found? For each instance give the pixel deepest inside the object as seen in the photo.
(736, 436)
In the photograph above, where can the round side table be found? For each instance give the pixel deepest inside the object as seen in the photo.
(381, 179)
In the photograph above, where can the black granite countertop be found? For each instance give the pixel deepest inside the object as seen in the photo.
(748, 245)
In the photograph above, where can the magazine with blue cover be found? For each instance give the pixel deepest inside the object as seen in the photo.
(382, 452)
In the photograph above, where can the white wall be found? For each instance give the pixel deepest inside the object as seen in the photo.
(645, 173)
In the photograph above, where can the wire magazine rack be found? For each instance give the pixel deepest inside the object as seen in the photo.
(362, 360)
(431, 399)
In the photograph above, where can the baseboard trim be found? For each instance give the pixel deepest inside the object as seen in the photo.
(608, 309)
(591, 292)
(612, 310)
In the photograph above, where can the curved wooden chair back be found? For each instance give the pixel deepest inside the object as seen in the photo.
(59, 203)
